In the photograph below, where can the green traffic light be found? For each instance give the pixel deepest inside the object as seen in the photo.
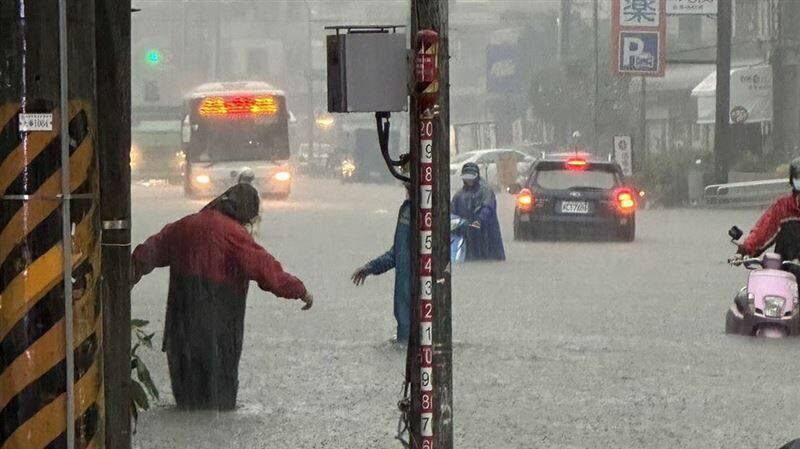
(153, 57)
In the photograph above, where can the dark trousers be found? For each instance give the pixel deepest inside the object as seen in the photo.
(204, 370)
(196, 385)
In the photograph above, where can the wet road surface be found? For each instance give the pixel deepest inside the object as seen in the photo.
(565, 345)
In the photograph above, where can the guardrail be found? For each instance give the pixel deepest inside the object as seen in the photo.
(745, 194)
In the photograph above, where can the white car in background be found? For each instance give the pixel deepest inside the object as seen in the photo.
(487, 162)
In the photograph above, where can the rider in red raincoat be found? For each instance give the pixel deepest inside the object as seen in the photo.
(780, 224)
(212, 259)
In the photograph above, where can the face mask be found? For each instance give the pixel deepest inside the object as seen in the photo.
(796, 184)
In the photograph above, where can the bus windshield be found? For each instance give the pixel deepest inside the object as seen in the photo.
(239, 140)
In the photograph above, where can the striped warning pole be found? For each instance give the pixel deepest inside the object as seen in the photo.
(38, 189)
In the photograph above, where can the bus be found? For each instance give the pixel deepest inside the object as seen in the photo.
(231, 128)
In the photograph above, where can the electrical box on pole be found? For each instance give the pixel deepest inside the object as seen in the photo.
(367, 70)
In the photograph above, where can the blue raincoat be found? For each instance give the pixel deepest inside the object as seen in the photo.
(399, 258)
(478, 203)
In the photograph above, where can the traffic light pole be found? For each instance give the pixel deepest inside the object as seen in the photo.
(431, 373)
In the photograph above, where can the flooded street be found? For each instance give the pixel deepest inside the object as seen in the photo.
(620, 344)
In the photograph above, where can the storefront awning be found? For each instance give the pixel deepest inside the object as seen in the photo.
(751, 96)
(678, 77)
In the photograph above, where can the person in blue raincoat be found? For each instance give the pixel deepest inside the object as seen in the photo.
(399, 258)
(476, 203)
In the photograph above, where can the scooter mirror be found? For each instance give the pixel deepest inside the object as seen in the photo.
(735, 233)
(514, 188)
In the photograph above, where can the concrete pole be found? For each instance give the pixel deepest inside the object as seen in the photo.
(722, 124)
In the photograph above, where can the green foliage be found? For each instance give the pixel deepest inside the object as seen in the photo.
(142, 386)
(664, 176)
(749, 162)
(562, 92)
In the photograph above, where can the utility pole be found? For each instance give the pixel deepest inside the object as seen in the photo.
(563, 29)
(310, 80)
(786, 81)
(217, 42)
(641, 148)
(565, 129)
(431, 373)
(113, 44)
(596, 97)
(723, 92)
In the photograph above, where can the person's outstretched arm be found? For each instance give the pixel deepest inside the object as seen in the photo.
(260, 266)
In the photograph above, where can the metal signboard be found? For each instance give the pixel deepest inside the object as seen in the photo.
(623, 154)
(689, 7)
(639, 33)
(35, 122)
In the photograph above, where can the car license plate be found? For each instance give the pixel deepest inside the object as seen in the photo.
(574, 207)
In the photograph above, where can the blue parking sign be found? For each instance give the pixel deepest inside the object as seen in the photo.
(639, 53)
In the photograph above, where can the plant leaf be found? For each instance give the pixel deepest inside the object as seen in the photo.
(147, 340)
(139, 396)
(144, 376)
(137, 323)
(134, 409)
(134, 362)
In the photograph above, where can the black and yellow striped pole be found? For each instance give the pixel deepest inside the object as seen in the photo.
(50, 365)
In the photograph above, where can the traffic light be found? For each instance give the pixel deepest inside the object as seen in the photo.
(154, 56)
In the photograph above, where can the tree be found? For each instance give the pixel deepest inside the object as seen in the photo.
(562, 91)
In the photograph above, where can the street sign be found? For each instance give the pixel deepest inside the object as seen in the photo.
(504, 73)
(639, 52)
(623, 154)
(688, 7)
(739, 115)
(639, 33)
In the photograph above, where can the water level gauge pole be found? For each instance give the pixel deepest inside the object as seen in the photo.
(432, 389)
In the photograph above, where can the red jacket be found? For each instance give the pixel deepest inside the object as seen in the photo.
(211, 246)
(763, 235)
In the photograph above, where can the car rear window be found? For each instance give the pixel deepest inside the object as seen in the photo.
(559, 178)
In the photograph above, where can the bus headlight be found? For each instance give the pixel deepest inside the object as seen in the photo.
(283, 176)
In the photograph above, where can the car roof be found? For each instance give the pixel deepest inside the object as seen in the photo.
(491, 150)
(234, 88)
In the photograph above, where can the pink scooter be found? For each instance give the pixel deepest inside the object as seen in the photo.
(768, 305)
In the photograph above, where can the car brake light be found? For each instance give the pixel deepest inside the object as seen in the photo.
(625, 200)
(577, 163)
(238, 106)
(525, 200)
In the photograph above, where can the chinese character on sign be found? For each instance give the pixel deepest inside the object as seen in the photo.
(640, 13)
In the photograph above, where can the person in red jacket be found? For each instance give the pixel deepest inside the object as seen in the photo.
(212, 258)
(779, 225)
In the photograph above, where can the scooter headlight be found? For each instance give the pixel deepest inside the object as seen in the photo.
(773, 306)
(201, 180)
